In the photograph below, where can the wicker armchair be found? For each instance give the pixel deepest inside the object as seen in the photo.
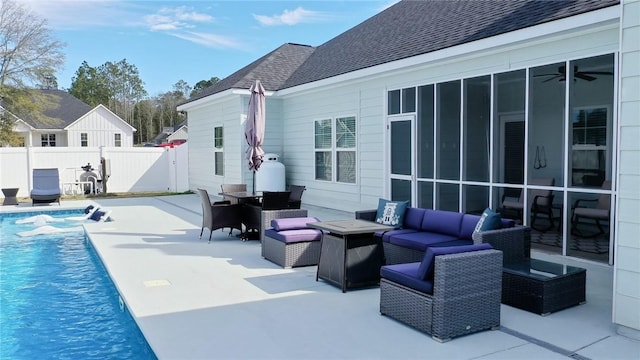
(464, 298)
(218, 216)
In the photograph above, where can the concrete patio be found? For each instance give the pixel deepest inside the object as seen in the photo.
(222, 300)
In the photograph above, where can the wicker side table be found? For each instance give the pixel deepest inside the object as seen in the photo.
(10, 196)
(542, 287)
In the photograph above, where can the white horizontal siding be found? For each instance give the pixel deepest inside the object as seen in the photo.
(626, 292)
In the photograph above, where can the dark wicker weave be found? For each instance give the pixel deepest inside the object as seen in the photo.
(539, 294)
(465, 299)
(514, 242)
(267, 215)
(292, 254)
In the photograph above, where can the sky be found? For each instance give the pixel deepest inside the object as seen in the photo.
(193, 40)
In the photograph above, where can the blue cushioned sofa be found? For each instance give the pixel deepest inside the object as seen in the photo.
(425, 228)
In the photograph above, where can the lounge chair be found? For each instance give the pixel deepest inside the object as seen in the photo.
(46, 186)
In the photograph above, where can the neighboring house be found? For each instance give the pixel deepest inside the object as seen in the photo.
(177, 134)
(452, 105)
(73, 123)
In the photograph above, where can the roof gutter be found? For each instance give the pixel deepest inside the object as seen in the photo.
(217, 96)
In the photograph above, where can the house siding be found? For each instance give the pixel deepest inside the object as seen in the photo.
(225, 112)
(366, 100)
(626, 287)
(101, 126)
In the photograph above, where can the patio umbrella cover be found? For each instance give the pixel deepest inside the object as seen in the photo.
(254, 127)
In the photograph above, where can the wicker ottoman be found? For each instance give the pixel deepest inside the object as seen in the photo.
(290, 244)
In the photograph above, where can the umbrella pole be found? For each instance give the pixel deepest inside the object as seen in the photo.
(253, 187)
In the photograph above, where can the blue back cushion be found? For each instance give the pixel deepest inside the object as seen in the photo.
(391, 212)
(413, 218)
(468, 226)
(443, 222)
(425, 271)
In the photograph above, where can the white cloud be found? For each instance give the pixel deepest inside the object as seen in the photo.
(293, 17)
(181, 17)
(207, 39)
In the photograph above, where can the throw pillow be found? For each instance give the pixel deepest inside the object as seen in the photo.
(391, 212)
(490, 220)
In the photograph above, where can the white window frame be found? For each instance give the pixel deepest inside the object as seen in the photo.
(84, 139)
(117, 140)
(218, 148)
(48, 140)
(334, 149)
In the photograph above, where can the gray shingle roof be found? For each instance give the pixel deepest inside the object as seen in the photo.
(408, 28)
(63, 110)
(272, 70)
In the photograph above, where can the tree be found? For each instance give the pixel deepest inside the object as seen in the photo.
(90, 86)
(29, 55)
(203, 84)
(27, 49)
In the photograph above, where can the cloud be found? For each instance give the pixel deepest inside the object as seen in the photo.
(206, 39)
(181, 17)
(293, 17)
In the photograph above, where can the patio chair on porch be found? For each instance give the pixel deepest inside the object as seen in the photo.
(218, 216)
(252, 213)
(295, 199)
(227, 188)
(541, 203)
(600, 212)
(46, 186)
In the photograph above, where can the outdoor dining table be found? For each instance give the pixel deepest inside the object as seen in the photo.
(243, 196)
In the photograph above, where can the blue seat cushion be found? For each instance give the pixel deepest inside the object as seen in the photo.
(292, 223)
(293, 236)
(422, 240)
(387, 235)
(407, 275)
(426, 268)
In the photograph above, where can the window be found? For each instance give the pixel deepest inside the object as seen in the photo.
(83, 140)
(339, 150)
(218, 150)
(48, 139)
(118, 140)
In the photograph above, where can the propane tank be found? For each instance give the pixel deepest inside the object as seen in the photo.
(270, 176)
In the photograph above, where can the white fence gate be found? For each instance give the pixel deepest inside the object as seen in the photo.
(133, 169)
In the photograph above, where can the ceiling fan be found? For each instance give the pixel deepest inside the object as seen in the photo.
(561, 75)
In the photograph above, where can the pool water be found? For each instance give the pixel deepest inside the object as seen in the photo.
(57, 300)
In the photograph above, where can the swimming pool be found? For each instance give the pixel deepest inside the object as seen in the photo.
(57, 300)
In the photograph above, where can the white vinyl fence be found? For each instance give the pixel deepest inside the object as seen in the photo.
(133, 169)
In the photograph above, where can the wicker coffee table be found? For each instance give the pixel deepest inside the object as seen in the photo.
(542, 287)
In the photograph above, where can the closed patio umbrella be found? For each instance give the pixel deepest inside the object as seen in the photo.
(254, 128)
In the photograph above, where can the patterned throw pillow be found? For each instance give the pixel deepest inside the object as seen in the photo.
(490, 220)
(391, 212)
